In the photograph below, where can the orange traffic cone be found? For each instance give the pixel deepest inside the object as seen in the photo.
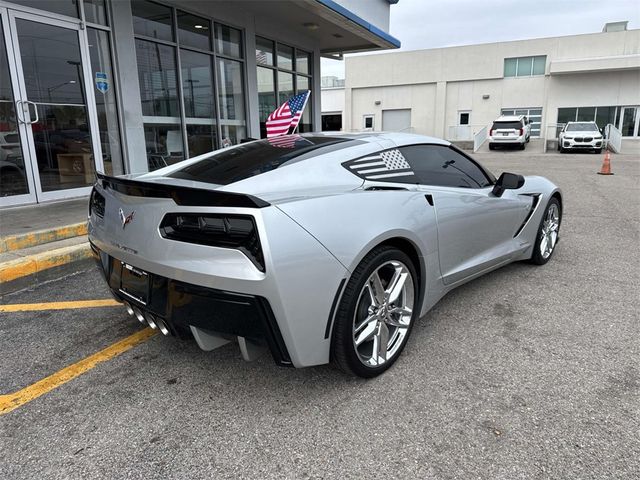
(606, 165)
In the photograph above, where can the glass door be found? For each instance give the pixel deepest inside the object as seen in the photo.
(629, 120)
(16, 179)
(54, 105)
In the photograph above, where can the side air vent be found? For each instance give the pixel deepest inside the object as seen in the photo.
(238, 232)
(96, 204)
(536, 199)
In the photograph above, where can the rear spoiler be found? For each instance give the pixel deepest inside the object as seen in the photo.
(187, 196)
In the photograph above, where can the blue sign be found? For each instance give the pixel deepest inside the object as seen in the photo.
(102, 82)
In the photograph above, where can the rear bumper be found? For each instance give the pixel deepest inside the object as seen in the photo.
(498, 140)
(182, 305)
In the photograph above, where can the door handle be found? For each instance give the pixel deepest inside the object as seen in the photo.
(35, 108)
(19, 108)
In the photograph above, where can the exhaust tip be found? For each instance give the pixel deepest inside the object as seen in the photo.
(128, 307)
(151, 321)
(162, 326)
(139, 315)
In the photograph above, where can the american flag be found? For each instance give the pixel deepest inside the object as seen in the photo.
(387, 164)
(287, 115)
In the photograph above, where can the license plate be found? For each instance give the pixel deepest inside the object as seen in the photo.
(505, 134)
(134, 283)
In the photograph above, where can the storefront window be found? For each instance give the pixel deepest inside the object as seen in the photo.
(277, 83)
(197, 88)
(178, 83)
(285, 87)
(62, 7)
(194, 31)
(231, 101)
(264, 51)
(228, 41)
(95, 12)
(160, 107)
(13, 177)
(266, 96)
(105, 95)
(152, 20)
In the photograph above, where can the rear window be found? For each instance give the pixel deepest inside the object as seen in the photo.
(582, 127)
(251, 159)
(506, 125)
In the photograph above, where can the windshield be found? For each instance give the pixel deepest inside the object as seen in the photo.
(582, 127)
(251, 159)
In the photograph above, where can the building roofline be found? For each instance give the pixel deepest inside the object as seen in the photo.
(499, 42)
(349, 15)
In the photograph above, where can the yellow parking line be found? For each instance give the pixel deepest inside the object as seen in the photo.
(34, 307)
(14, 400)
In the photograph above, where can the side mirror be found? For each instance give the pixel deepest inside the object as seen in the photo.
(507, 181)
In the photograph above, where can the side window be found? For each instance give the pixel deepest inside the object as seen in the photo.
(442, 166)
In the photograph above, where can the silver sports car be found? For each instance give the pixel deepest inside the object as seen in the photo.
(320, 247)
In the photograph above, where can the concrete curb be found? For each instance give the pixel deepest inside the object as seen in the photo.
(26, 240)
(28, 271)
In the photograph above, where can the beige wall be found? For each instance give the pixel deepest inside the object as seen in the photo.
(419, 98)
(436, 84)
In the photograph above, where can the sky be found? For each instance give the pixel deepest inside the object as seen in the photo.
(421, 24)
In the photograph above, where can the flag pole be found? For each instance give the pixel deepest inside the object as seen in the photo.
(303, 107)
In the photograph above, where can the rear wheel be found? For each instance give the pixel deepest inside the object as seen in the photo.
(376, 313)
(522, 146)
(548, 232)
(492, 146)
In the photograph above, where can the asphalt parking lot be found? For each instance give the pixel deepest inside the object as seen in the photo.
(528, 372)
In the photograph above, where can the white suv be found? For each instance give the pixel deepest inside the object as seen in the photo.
(510, 130)
(580, 136)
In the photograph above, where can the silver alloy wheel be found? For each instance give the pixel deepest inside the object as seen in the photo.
(549, 231)
(383, 313)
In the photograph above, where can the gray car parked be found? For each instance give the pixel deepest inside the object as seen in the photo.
(321, 247)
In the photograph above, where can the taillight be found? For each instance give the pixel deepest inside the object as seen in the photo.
(215, 230)
(521, 131)
(96, 203)
(491, 132)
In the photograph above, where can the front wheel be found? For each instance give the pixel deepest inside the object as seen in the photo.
(376, 313)
(547, 236)
(598, 151)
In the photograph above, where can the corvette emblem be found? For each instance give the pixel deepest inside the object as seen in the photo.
(126, 219)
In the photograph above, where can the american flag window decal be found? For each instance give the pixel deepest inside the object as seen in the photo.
(380, 166)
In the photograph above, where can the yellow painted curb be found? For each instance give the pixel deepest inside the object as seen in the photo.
(26, 240)
(36, 307)
(31, 264)
(14, 400)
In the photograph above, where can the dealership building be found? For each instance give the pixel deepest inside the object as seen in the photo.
(127, 86)
(455, 92)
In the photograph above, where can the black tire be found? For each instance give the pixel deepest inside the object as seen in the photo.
(598, 151)
(528, 138)
(343, 349)
(536, 257)
(522, 146)
(492, 146)
(558, 147)
(562, 150)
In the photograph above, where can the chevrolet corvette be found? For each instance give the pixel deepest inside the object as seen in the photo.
(317, 247)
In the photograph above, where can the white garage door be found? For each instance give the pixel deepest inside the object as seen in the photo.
(396, 120)
(533, 114)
